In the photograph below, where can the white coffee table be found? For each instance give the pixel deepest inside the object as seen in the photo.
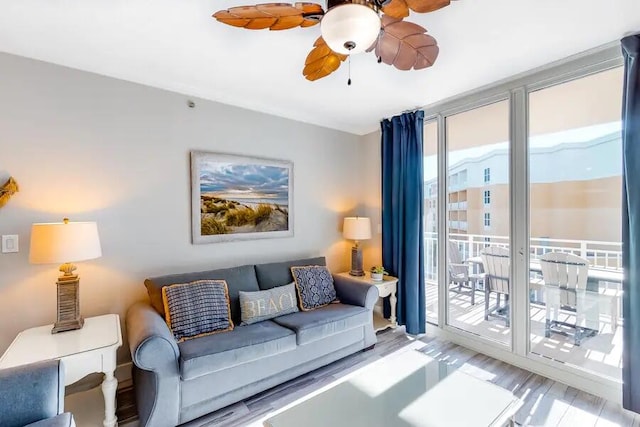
(408, 389)
(82, 352)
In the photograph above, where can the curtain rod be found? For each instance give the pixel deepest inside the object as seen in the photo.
(412, 110)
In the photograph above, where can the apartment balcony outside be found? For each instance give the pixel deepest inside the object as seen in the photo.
(458, 225)
(458, 206)
(601, 353)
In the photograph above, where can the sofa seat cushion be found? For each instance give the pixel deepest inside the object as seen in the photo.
(324, 321)
(211, 353)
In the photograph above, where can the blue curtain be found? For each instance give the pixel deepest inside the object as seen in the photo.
(402, 211)
(631, 223)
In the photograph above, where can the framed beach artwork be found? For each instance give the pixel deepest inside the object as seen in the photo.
(240, 198)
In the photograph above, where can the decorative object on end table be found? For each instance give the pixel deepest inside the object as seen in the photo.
(378, 272)
(65, 242)
(356, 228)
(240, 198)
(7, 190)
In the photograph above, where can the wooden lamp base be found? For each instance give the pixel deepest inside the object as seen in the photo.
(356, 261)
(68, 313)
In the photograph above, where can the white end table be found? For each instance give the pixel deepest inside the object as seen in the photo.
(387, 287)
(82, 352)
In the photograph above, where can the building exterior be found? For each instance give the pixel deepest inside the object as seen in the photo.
(575, 192)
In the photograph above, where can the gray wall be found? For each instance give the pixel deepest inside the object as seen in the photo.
(94, 148)
(371, 198)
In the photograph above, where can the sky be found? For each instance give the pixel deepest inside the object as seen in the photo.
(246, 181)
(577, 135)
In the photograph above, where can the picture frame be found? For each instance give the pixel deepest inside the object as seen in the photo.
(236, 197)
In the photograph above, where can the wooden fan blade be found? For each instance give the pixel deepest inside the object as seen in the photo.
(426, 6)
(321, 61)
(406, 45)
(396, 9)
(274, 16)
(311, 13)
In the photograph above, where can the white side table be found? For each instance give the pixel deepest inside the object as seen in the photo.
(82, 352)
(387, 287)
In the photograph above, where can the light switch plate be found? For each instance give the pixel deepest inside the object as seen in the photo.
(10, 243)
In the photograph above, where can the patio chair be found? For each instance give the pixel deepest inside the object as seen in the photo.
(495, 260)
(459, 273)
(565, 278)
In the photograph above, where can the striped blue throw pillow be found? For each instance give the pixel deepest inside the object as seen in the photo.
(197, 308)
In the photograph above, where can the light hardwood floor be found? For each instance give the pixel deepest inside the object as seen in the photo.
(601, 354)
(546, 402)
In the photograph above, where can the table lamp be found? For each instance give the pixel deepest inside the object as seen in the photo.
(65, 242)
(356, 228)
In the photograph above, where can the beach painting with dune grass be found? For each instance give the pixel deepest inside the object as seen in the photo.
(240, 198)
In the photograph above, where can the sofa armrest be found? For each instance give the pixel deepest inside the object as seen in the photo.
(355, 292)
(62, 420)
(31, 393)
(152, 345)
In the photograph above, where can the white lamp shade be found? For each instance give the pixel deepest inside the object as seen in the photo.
(350, 23)
(64, 242)
(357, 228)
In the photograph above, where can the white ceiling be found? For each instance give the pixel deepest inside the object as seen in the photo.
(176, 45)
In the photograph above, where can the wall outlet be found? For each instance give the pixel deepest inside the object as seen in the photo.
(10, 243)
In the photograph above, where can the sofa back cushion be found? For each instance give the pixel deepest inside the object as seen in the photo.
(279, 273)
(238, 279)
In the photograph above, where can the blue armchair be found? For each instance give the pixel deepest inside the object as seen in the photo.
(33, 396)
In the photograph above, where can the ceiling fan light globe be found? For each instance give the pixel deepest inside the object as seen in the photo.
(350, 28)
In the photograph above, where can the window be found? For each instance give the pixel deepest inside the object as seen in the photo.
(463, 178)
(477, 139)
(541, 150)
(575, 204)
(431, 227)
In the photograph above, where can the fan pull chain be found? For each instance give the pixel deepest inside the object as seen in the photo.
(378, 44)
(349, 81)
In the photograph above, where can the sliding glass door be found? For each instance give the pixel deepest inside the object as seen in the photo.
(575, 161)
(478, 187)
(523, 218)
(431, 219)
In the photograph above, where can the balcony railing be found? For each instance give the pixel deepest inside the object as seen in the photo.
(458, 206)
(458, 225)
(604, 255)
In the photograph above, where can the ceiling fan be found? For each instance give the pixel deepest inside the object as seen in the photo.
(348, 27)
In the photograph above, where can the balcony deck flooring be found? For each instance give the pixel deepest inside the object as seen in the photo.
(601, 353)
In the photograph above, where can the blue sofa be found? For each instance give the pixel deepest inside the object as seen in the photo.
(178, 382)
(33, 396)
